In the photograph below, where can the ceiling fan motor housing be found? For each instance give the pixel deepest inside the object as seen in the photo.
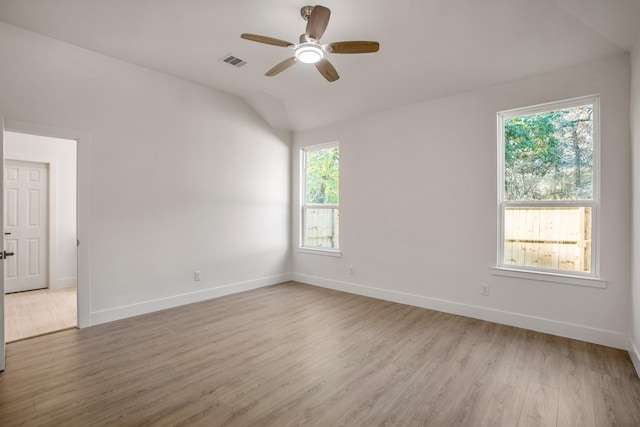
(305, 12)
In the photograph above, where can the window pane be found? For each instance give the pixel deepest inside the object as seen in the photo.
(323, 176)
(549, 155)
(321, 228)
(551, 238)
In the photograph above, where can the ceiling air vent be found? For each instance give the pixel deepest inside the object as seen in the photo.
(236, 62)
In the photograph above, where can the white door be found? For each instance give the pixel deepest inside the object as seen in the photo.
(26, 225)
(2, 343)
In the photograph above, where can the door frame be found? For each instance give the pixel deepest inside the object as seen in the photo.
(3, 346)
(83, 192)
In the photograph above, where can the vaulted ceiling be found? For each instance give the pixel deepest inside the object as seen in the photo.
(428, 48)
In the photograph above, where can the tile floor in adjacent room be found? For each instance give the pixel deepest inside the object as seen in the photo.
(32, 313)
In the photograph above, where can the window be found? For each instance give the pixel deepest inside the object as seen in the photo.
(548, 190)
(320, 197)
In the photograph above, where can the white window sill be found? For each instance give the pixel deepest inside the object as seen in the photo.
(550, 277)
(324, 252)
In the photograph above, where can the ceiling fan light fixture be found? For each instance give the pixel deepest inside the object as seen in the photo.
(309, 53)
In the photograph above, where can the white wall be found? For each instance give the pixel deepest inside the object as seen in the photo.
(182, 178)
(61, 154)
(418, 216)
(635, 262)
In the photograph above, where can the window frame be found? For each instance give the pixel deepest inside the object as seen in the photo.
(591, 278)
(304, 206)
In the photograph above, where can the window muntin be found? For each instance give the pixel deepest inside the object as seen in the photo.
(320, 212)
(548, 187)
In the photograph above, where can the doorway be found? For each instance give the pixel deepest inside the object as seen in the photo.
(40, 230)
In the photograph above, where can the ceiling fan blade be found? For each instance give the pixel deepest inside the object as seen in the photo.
(264, 39)
(327, 70)
(353, 47)
(278, 68)
(317, 23)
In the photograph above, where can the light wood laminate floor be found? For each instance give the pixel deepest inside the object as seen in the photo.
(32, 313)
(293, 354)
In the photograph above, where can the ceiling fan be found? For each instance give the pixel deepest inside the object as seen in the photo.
(310, 50)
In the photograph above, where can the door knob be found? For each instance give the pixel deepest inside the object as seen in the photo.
(5, 254)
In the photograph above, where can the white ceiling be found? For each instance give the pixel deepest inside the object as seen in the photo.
(428, 48)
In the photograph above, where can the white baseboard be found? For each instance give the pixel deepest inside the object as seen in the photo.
(635, 356)
(131, 310)
(64, 282)
(554, 327)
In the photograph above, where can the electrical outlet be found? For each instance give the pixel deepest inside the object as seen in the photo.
(352, 270)
(484, 289)
(196, 275)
